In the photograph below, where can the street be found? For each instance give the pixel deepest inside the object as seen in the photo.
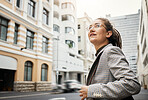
(12, 95)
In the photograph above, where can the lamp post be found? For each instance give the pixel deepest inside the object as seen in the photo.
(57, 71)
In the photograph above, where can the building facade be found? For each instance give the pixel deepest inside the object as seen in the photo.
(67, 63)
(142, 60)
(26, 44)
(128, 26)
(85, 48)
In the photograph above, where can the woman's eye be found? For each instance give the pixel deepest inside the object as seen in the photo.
(98, 25)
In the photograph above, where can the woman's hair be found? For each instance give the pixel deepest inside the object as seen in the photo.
(115, 38)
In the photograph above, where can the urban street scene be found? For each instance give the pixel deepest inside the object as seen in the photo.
(73, 49)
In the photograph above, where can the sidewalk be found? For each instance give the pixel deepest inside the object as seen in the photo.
(143, 95)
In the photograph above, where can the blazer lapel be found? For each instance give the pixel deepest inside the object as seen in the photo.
(90, 75)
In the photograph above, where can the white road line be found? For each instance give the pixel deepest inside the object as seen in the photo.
(23, 96)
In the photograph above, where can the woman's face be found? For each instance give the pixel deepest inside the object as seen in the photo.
(97, 33)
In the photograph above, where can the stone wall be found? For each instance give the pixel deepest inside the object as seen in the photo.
(27, 86)
(24, 86)
(43, 86)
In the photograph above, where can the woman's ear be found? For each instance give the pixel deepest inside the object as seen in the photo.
(109, 34)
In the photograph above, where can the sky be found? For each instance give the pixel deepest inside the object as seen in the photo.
(100, 8)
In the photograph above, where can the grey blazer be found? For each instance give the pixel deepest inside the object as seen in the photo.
(113, 79)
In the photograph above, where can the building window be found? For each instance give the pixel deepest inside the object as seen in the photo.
(44, 71)
(45, 45)
(9, 0)
(70, 43)
(16, 33)
(31, 8)
(67, 5)
(56, 15)
(45, 16)
(18, 3)
(56, 28)
(3, 28)
(79, 38)
(69, 30)
(79, 26)
(29, 40)
(28, 71)
(67, 18)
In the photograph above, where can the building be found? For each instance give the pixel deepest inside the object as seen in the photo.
(142, 61)
(85, 48)
(26, 44)
(67, 63)
(128, 26)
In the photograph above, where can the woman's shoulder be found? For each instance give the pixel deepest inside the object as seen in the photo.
(111, 48)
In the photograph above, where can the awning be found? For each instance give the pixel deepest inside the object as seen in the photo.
(7, 62)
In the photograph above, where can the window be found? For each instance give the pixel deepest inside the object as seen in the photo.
(31, 8)
(44, 71)
(56, 28)
(69, 30)
(79, 26)
(16, 33)
(29, 40)
(9, 0)
(3, 28)
(28, 71)
(18, 3)
(45, 16)
(56, 15)
(67, 18)
(45, 45)
(79, 38)
(70, 43)
(67, 5)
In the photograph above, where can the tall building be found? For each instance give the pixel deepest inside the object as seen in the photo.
(142, 60)
(26, 44)
(67, 63)
(85, 48)
(128, 26)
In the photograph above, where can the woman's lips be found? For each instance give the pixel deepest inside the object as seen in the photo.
(92, 35)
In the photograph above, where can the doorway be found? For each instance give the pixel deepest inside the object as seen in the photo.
(6, 79)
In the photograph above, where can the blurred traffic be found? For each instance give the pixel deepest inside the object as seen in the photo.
(67, 86)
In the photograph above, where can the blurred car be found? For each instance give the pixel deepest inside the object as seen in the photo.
(56, 87)
(71, 86)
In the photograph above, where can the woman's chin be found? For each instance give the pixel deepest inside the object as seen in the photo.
(93, 40)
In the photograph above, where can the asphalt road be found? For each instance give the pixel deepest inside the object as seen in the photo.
(12, 95)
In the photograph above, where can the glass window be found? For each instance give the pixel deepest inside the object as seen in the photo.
(70, 43)
(3, 28)
(69, 30)
(44, 71)
(45, 16)
(56, 28)
(79, 26)
(29, 40)
(28, 71)
(79, 38)
(16, 33)
(31, 8)
(18, 3)
(67, 5)
(67, 18)
(45, 45)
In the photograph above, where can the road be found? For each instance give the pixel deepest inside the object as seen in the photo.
(12, 95)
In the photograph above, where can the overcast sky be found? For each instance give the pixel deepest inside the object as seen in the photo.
(99, 8)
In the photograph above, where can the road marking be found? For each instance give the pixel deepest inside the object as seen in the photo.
(23, 95)
(57, 99)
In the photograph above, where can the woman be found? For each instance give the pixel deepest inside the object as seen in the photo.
(110, 76)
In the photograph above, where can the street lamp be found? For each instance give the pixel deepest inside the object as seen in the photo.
(57, 71)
